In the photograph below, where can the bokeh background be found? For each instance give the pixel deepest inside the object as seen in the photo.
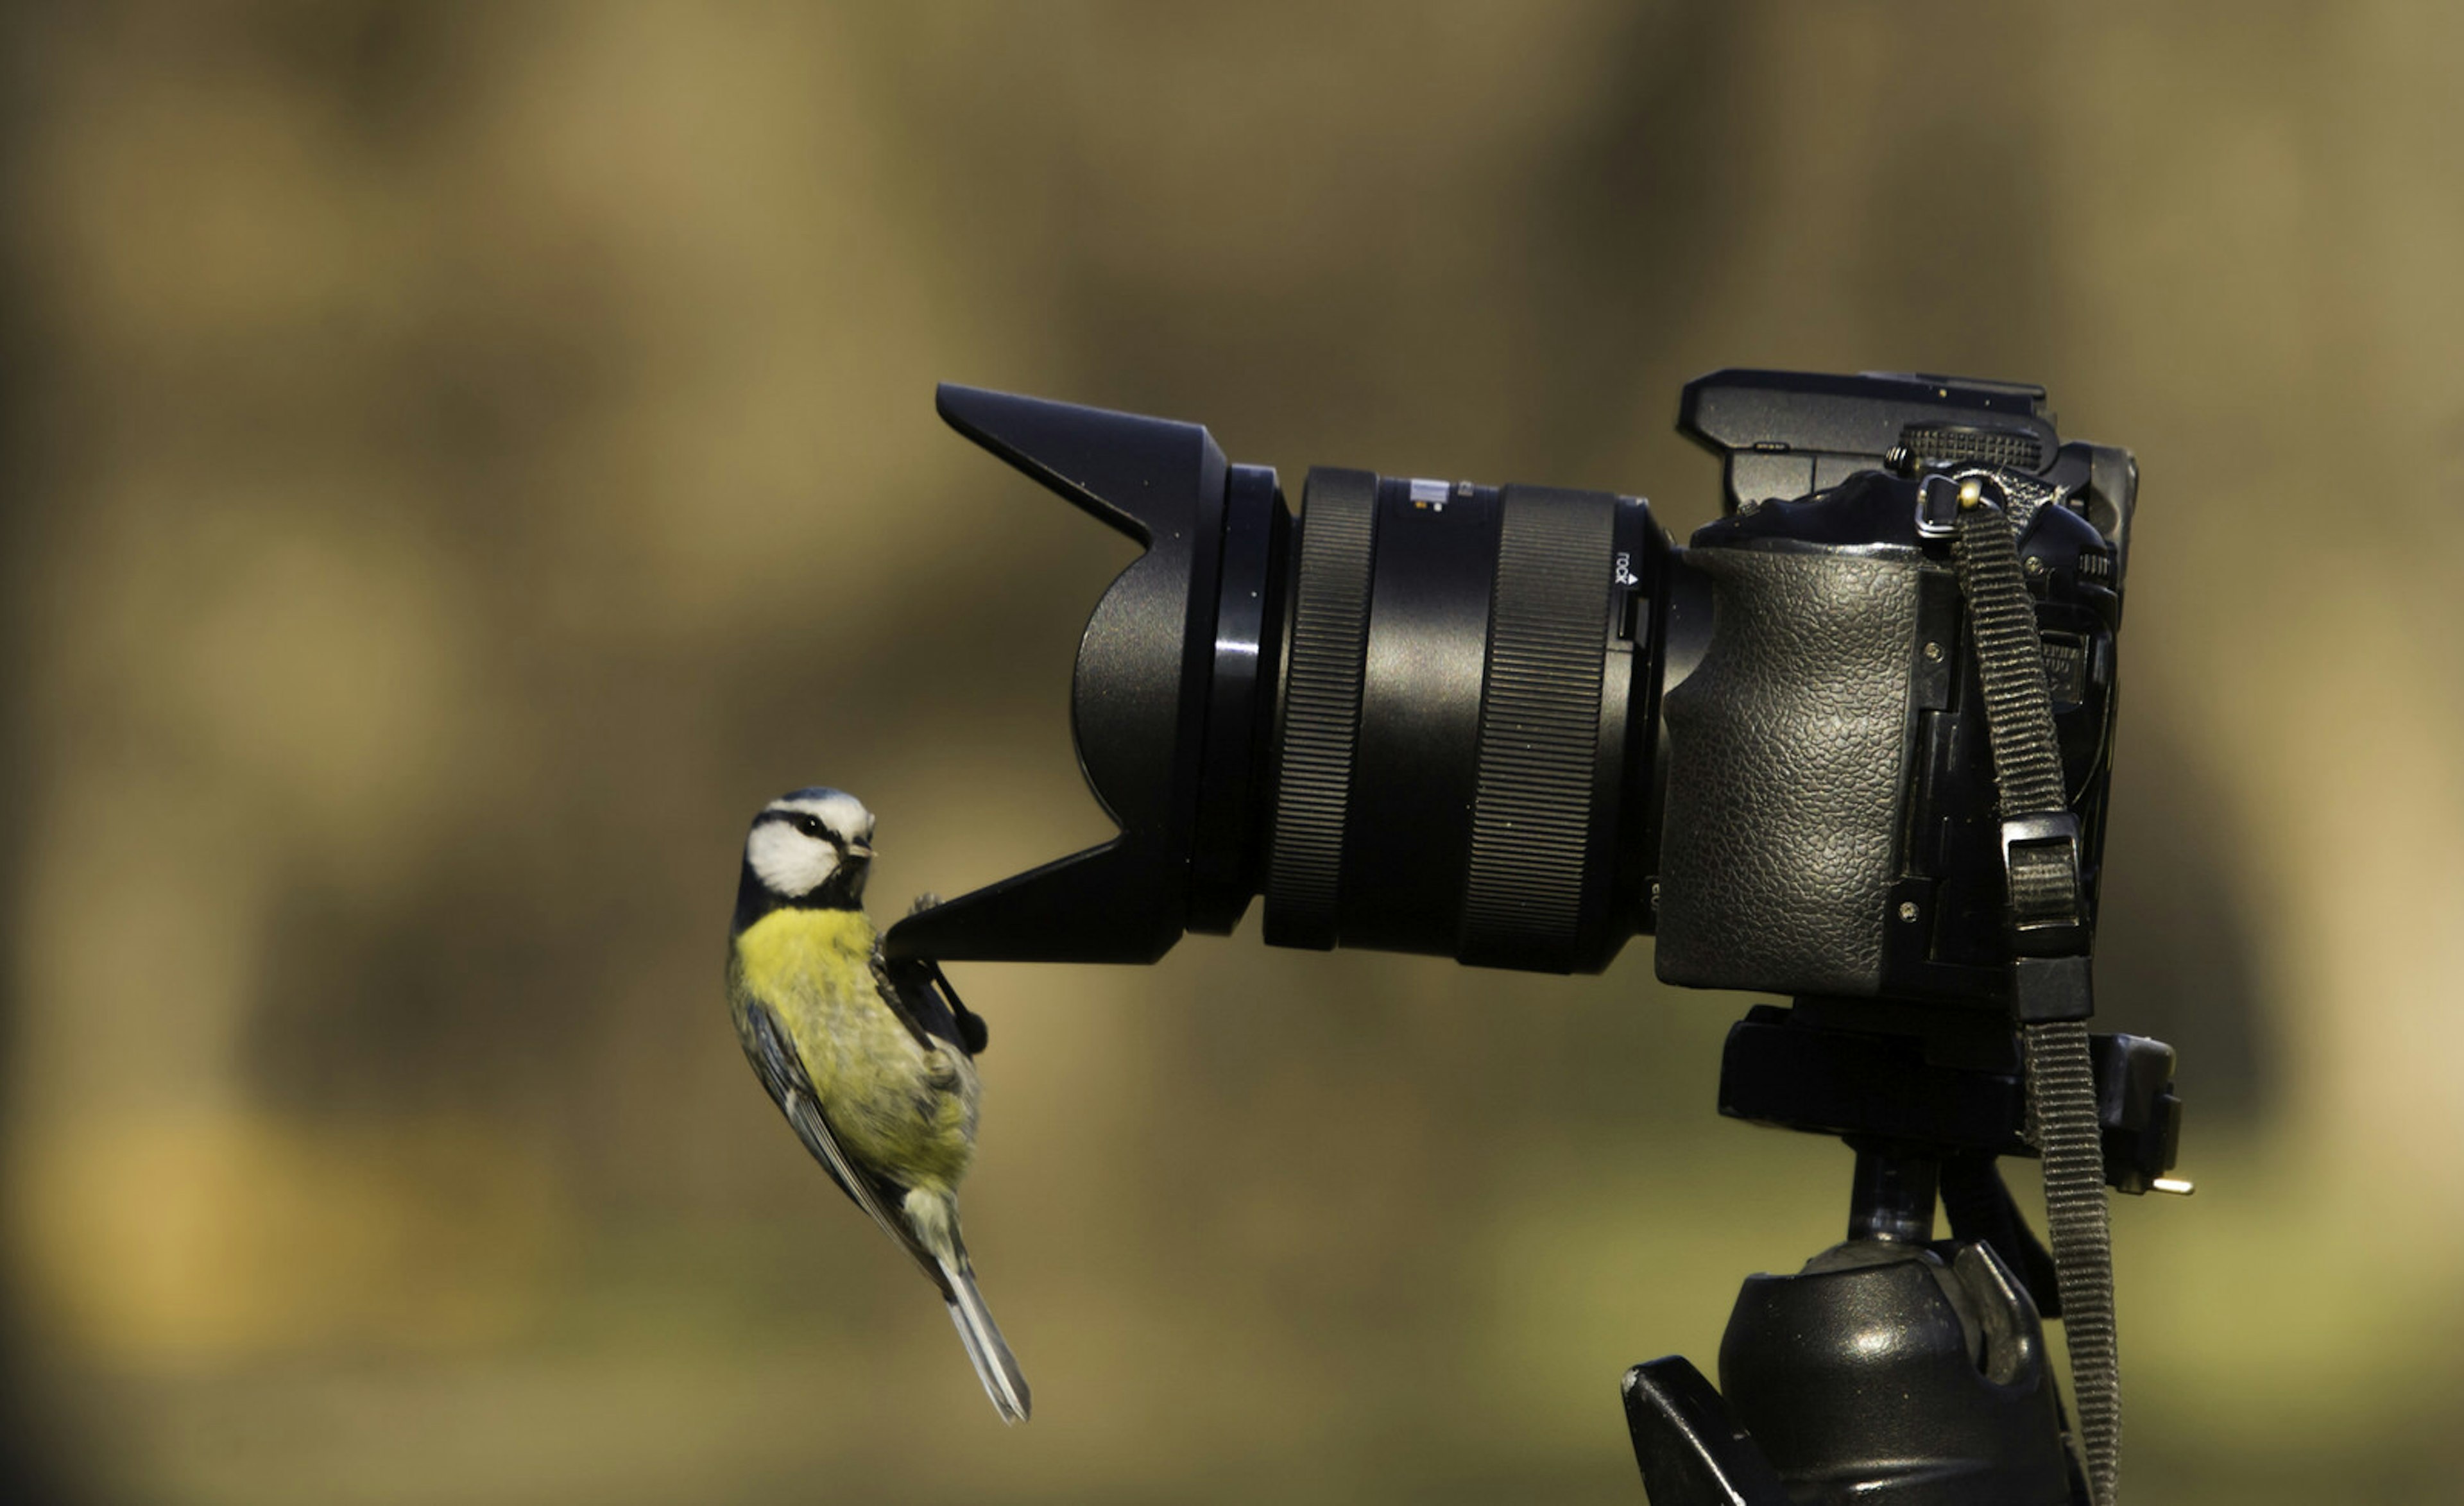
(459, 461)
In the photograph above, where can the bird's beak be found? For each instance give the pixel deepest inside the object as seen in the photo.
(861, 851)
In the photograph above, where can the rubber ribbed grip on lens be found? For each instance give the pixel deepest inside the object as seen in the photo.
(1330, 633)
(1539, 728)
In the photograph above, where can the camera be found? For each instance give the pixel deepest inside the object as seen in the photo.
(1516, 726)
(1850, 744)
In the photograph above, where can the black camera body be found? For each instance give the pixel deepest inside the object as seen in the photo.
(1517, 726)
(1831, 826)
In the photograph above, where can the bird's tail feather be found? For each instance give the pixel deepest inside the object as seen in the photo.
(995, 1366)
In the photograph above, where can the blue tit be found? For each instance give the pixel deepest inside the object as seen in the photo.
(872, 1061)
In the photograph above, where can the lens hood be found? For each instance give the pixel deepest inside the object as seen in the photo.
(1163, 755)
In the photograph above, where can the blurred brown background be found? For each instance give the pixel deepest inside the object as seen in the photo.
(461, 460)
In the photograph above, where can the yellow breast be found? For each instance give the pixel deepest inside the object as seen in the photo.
(792, 949)
(892, 1104)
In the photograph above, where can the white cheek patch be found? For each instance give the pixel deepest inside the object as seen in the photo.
(786, 860)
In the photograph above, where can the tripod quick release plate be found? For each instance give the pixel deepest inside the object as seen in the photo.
(1790, 1067)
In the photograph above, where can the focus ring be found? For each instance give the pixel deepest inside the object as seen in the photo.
(1539, 729)
(1321, 706)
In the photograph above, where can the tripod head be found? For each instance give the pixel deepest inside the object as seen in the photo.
(1908, 1368)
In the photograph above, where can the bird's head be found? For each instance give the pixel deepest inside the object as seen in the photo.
(811, 847)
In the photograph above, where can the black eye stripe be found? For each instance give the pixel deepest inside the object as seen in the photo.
(805, 822)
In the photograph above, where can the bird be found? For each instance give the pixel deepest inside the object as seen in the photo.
(872, 1061)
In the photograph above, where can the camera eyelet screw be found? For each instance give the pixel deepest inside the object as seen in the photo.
(1908, 909)
(1933, 653)
(2035, 565)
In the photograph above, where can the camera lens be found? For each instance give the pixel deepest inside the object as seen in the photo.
(1420, 716)
(1462, 668)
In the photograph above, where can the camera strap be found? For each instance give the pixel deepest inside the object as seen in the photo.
(2051, 990)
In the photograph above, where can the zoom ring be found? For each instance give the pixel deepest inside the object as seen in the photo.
(1321, 706)
(1539, 729)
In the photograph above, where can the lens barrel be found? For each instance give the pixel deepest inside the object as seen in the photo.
(1459, 679)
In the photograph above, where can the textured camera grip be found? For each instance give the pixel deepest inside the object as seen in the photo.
(1786, 773)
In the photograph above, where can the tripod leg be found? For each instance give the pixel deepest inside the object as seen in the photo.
(1691, 1447)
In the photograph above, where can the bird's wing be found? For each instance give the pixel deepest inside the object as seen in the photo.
(782, 1073)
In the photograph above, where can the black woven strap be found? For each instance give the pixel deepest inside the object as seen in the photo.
(2051, 990)
(2061, 1107)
